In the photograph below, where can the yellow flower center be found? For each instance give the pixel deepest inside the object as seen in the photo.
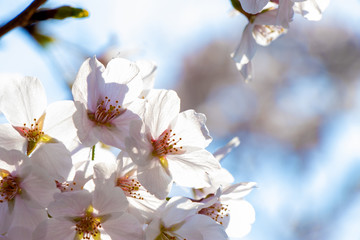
(87, 226)
(217, 211)
(130, 186)
(9, 186)
(164, 145)
(106, 111)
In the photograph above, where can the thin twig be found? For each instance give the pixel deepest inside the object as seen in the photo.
(22, 19)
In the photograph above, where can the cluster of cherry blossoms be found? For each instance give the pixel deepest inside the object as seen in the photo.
(60, 181)
(269, 19)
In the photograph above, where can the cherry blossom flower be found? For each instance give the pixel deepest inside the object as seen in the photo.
(178, 219)
(25, 107)
(97, 215)
(123, 174)
(261, 31)
(25, 192)
(107, 100)
(228, 202)
(172, 146)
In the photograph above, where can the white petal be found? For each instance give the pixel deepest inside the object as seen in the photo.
(11, 139)
(109, 199)
(147, 71)
(105, 171)
(59, 122)
(246, 71)
(190, 169)
(265, 34)
(155, 179)
(237, 191)
(153, 229)
(54, 158)
(55, 229)
(19, 233)
(115, 135)
(190, 126)
(253, 6)
(11, 157)
(177, 210)
(124, 164)
(285, 13)
(242, 216)
(25, 215)
(163, 106)
(23, 100)
(124, 227)
(202, 227)
(39, 186)
(123, 71)
(70, 204)
(245, 51)
(5, 214)
(85, 127)
(138, 146)
(266, 18)
(312, 9)
(144, 209)
(220, 177)
(89, 83)
(266, 28)
(225, 150)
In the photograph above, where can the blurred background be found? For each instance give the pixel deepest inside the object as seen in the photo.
(298, 120)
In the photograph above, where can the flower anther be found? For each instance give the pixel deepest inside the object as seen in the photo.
(168, 234)
(106, 111)
(88, 226)
(34, 133)
(65, 186)
(164, 145)
(217, 211)
(9, 186)
(130, 186)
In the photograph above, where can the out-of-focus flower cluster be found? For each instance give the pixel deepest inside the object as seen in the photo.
(59, 181)
(269, 19)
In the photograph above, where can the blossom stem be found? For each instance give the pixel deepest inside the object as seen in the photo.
(22, 19)
(93, 153)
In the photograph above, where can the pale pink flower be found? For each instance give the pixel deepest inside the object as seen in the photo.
(261, 31)
(46, 133)
(122, 173)
(25, 107)
(172, 146)
(107, 100)
(178, 219)
(228, 208)
(25, 192)
(97, 215)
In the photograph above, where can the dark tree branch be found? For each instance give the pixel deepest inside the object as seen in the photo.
(22, 19)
